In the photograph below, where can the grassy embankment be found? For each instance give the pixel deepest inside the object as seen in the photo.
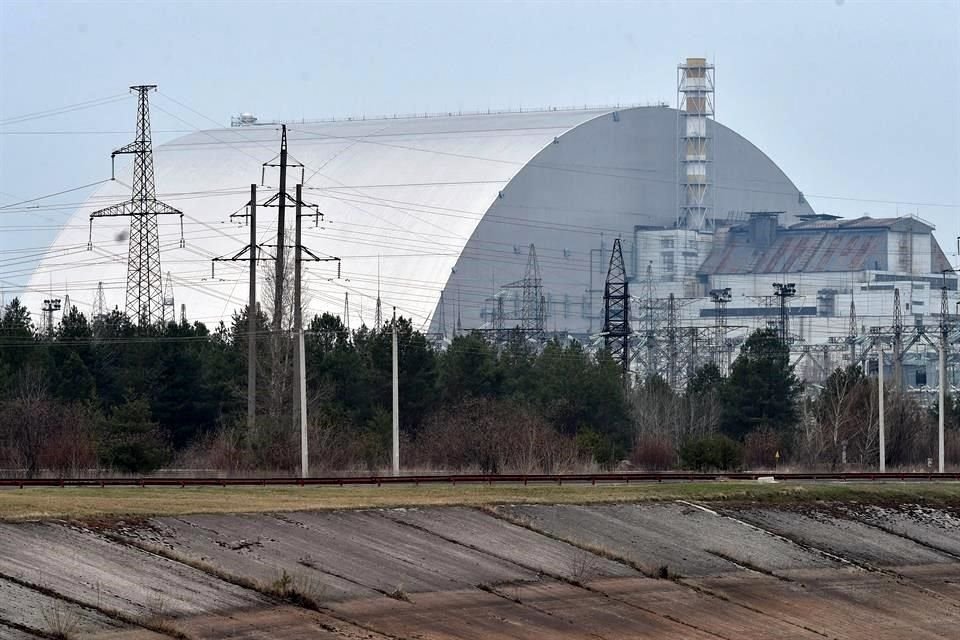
(119, 502)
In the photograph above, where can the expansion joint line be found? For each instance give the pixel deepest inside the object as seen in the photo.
(518, 522)
(647, 573)
(113, 614)
(242, 582)
(494, 590)
(31, 631)
(863, 566)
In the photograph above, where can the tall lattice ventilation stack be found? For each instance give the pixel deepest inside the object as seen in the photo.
(695, 107)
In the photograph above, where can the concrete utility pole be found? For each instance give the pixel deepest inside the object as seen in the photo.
(943, 403)
(252, 315)
(252, 256)
(281, 202)
(396, 400)
(942, 369)
(300, 386)
(883, 444)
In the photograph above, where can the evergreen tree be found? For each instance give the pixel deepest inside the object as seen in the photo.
(468, 369)
(762, 390)
(131, 441)
(75, 383)
(17, 338)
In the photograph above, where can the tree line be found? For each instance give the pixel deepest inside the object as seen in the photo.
(103, 394)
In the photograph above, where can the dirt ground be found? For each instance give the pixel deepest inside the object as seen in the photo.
(676, 568)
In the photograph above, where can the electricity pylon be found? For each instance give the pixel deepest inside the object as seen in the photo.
(616, 310)
(144, 303)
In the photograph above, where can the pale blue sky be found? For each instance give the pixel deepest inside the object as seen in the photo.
(854, 100)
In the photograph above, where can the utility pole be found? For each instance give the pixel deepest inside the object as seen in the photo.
(278, 342)
(300, 371)
(852, 332)
(396, 400)
(144, 278)
(942, 352)
(252, 315)
(251, 253)
(883, 444)
(281, 229)
(346, 310)
(301, 374)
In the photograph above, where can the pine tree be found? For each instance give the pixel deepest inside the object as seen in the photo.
(762, 390)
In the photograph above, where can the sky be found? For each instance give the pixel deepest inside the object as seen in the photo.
(856, 101)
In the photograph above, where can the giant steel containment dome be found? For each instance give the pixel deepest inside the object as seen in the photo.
(437, 214)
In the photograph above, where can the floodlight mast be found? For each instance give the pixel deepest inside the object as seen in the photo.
(784, 291)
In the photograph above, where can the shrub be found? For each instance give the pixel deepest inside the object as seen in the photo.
(713, 452)
(760, 448)
(653, 452)
(494, 436)
(951, 448)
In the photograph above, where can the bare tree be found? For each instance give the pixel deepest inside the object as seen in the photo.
(277, 370)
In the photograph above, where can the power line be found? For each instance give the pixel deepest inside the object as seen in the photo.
(58, 193)
(79, 106)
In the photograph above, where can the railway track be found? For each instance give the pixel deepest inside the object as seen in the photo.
(475, 479)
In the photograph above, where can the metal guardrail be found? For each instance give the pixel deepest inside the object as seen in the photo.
(489, 479)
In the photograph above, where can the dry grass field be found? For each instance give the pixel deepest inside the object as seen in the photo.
(119, 502)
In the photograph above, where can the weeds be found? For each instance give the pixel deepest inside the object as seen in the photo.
(583, 566)
(663, 572)
(399, 594)
(296, 589)
(309, 562)
(61, 620)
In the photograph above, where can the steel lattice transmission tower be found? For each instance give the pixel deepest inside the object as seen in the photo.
(169, 306)
(533, 305)
(99, 303)
(897, 341)
(144, 302)
(650, 321)
(616, 310)
(378, 314)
